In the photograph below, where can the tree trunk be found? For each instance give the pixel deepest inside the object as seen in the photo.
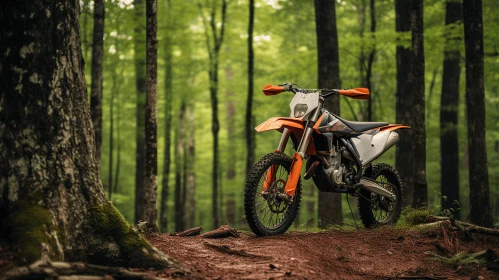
(96, 89)
(140, 85)
(214, 44)
(418, 87)
(191, 172)
(449, 145)
(404, 154)
(168, 120)
(231, 124)
(179, 152)
(51, 198)
(151, 153)
(475, 107)
(370, 61)
(328, 77)
(250, 133)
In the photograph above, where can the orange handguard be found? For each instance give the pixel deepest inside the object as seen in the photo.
(356, 93)
(272, 90)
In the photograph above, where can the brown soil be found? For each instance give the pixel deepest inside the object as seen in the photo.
(363, 254)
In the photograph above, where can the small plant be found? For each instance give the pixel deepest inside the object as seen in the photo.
(462, 260)
(413, 216)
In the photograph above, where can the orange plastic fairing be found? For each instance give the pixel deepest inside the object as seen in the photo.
(270, 177)
(392, 127)
(278, 123)
(356, 93)
(272, 90)
(294, 175)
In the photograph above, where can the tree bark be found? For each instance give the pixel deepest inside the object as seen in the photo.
(214, 44)
(418, 87)
(179, 152)
(96, 89)
(250, 133)
(191, 173)
(168, 120)
(140, 86)
(151, 152)
(480, 211)
(404, 154)
(52, 203)
(370, 61)
(449, 145)
(328, 77)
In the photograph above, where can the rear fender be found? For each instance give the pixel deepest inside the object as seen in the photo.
(392, 127)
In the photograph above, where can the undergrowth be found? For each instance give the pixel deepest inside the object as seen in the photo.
(462, 260)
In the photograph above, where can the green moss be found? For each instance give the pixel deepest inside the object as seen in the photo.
(134, 250)
(413, 216)
(29, 225)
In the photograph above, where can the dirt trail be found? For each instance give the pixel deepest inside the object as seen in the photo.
(375, 254)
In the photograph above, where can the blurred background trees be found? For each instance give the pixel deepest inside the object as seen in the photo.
(374, 42)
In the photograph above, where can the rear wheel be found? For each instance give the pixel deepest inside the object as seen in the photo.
(267, 211)
(376, 210)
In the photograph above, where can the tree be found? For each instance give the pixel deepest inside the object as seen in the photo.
(404, 154)
(449, 145)
(151, 153)
(328, 77)
(250, 133)
(55, 204)
(370, 61)
(418, 87)
(96, 90)
(140, 87)
(190, 185)
(168, 119)
(179, 183)
(213, 45)
(480, 211)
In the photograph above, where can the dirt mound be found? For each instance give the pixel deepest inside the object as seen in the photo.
(363, 254)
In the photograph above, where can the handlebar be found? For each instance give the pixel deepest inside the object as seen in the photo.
(296, 88)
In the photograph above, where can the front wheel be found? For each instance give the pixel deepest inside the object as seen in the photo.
(376, 210)
(267, 211)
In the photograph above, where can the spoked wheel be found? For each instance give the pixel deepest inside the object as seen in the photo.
(267, 208)
(376, 210)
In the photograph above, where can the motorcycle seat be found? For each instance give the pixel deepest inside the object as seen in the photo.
(362, 126)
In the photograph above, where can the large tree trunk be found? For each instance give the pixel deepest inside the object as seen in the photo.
(418, 88)
(151, 153)
(250, 133)
(168, 121)
(328, 77)
(140, 86)
(475, 107)
(404, 154)
(449, 146)
(96, 89)
(51, 199)
(179, 152)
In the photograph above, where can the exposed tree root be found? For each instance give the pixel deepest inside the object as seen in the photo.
(227, 250)
(458, 225)
(46, 269)
(190, 232)
(222, 232)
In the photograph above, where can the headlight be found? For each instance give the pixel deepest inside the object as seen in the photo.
(300, 110)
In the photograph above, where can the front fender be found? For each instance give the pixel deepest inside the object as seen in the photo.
(279, 123)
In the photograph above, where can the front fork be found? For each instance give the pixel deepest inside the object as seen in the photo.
(294, 174)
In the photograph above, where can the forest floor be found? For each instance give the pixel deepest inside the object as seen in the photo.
(363, 254)
(386, 253)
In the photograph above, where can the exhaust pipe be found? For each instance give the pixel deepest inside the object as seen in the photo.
(374, 187)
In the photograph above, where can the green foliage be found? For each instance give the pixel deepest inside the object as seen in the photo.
(412, 216)
(285, 50)
(462, 260)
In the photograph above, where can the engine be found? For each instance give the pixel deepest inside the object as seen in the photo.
(334, 171)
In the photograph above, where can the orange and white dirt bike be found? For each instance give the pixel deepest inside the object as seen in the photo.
(339, 158)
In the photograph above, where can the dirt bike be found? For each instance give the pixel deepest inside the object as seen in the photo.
(339, 155)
